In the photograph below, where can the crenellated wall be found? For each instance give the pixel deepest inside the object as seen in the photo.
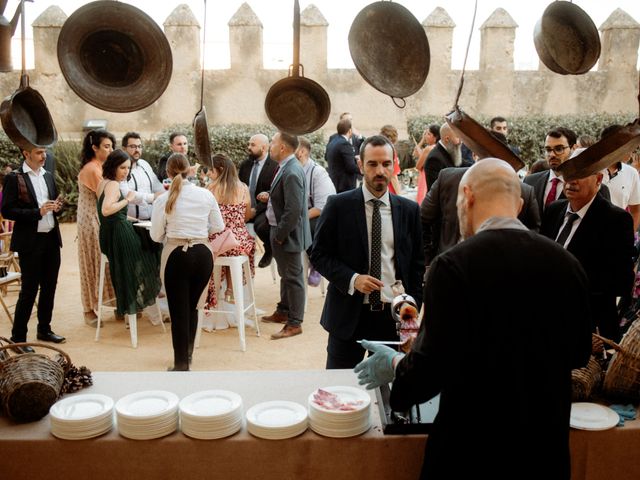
(236, 95)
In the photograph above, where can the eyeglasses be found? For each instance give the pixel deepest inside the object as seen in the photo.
(558, 149)
(135, 147)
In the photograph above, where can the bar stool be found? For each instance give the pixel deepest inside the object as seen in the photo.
(131, 318)
(237, 265)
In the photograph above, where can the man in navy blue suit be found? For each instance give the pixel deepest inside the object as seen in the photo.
(365, 240)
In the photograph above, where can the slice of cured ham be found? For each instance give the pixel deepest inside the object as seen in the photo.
(331, 401)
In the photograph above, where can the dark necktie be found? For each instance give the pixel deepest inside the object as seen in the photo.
(376, 244)
(252, 183)
(564, 234)
(551, 197)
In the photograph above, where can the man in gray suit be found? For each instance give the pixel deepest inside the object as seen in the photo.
(290, 234)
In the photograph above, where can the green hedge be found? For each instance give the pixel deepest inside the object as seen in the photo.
(230, 139)
(528, 132)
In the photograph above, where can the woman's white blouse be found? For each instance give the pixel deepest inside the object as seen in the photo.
(195, 215)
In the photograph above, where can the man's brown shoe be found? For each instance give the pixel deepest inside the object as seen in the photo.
(277, 317)
(287, 331)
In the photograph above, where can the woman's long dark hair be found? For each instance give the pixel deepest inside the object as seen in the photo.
(93, 139)
(113, 161)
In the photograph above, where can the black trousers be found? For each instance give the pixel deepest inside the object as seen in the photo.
(262, 229)
(186, 275)
(39, 268)
(371, 326)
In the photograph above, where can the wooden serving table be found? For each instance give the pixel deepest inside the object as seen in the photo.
(29, 451)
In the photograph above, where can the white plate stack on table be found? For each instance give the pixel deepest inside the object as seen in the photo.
(277, 420)
(211, 414)
(339, 412)
(81, 416)
(591, 416)
(147, 415)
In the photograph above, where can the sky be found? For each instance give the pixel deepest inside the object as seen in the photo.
(276, 17)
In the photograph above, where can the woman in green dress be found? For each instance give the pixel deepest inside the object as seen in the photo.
(135, 272)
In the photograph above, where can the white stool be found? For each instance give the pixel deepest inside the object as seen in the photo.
(236, 265)
(132, 319)
(306, 265)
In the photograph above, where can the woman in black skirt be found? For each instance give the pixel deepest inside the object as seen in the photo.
(182, 219)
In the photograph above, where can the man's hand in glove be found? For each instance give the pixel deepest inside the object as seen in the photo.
(378, 368)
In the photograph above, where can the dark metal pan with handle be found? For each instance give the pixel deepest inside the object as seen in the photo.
(297, 105)
(24, 114)
(607, 151)
(200, 125)
(474, 135)
(390, 50)
(566, 39)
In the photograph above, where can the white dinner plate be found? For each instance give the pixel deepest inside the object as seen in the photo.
(82, 407)
(356, 396)
(277, 414)
(210, 403)
(591, 416)
(147, 404)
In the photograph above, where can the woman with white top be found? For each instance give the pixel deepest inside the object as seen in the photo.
(183, 218)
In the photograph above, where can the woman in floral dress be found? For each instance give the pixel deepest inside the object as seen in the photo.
(96, 147)
(235, 205)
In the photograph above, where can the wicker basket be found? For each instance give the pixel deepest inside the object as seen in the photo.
(622, 379)
(29, 382)
(586, 381)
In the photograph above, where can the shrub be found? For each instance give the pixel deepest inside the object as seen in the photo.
(231, 139)
(528, 132)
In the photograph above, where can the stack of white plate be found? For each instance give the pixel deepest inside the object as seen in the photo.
(591, 416)
(277, 420)
(211, 414)
(81, 416)
(339, 412)
(147, 415)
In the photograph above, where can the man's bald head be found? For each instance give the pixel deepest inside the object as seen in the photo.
(490, 188)
(258, 146)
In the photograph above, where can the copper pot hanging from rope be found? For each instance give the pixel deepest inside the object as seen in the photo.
(297, 105)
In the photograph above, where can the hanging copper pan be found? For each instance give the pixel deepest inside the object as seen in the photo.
(25, 117)
(390, 50)
(200, 124)
(297, 105)
(479, 140)
(607, 151)
(566, 39)
(114, 56)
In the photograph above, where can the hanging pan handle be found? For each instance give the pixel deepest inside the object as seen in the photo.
(399, 102)
(296, 38)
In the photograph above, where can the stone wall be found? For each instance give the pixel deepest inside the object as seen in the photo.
(236, 95)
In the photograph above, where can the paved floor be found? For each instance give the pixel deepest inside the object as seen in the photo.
(219, 350)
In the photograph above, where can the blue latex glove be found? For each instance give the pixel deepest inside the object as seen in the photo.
(625, 412)
(377, 369)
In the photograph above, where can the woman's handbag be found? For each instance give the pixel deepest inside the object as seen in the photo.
(223, 243)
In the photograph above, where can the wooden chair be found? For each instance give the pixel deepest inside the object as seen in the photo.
(10, 279)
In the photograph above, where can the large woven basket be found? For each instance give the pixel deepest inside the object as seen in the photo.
(29, 382)
(586, 381)
(622, 378)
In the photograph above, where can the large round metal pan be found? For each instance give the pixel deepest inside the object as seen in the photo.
(602, 154)
(114, 56)
(566, 39)
(201, 138)
(479, 140)
(26, 119)
(389, 48)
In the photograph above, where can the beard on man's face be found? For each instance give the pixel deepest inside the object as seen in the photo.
(455, 151)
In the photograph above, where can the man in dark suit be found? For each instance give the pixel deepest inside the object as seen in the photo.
(257, 172)
(290, 233)
(362, 262)
(477, 335)
(439, 214)
(446, 153)
(600, 236)
(30, 198)
(341, 159)
(356, 138)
